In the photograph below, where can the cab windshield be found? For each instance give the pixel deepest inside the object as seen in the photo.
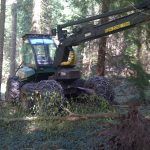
(40, 51)
(44, 49)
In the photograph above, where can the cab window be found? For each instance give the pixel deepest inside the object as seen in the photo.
(27, 55)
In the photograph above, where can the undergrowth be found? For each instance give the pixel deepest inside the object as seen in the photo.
(52, 132)
(139, 77)
(85, 104)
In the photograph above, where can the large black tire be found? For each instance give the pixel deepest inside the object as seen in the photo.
(13, 89)
(102, 87)
(27, 97)
(52, 97)
(44, 98)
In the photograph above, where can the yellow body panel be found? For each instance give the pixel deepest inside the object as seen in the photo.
(71, 60)
(116, 27)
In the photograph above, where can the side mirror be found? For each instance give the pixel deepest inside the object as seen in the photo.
(53, 32)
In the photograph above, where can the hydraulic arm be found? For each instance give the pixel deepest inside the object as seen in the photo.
(137, 14)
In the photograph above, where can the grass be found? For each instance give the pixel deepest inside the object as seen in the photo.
(52, 133)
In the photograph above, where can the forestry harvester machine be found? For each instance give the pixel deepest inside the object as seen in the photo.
(48, 71)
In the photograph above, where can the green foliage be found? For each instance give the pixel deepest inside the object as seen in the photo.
(82, 5)
(141, 78)
(83, 8)
(51, 14)
(85, 104)
(11, 110)
(25, 9)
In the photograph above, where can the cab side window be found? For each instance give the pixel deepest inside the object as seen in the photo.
(28, 56)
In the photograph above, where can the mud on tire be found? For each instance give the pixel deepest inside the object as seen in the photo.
(102, 87)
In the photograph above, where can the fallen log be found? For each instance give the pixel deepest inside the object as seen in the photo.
(76, 117)
(72, 117)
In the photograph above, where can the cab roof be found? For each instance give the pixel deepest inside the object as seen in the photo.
(26, 36)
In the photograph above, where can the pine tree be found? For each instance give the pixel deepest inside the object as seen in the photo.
(13, 40)
(2, 28)
(102, 41)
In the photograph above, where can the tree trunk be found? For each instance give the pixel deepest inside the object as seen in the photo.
(2, 28)
(36, 24)
(102, 42)
(13, 40)
(139, 42)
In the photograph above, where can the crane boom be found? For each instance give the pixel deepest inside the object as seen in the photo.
(139, 13)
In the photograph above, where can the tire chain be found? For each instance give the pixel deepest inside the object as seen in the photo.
(102, 87)
(47, 96)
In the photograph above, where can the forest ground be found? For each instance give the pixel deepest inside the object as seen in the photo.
(52, 133)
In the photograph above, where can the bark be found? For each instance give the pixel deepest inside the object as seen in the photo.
(2, 28)
(139, 41)
(13, 40)
(102, 42)
(36, 24)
